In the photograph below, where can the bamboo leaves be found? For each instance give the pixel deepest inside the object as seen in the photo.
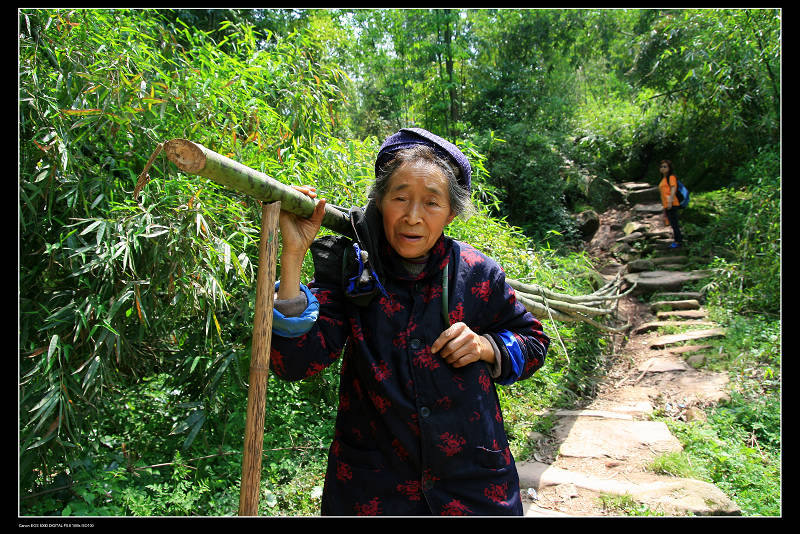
(113, 287)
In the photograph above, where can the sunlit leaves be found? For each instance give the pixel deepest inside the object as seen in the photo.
(113, 288)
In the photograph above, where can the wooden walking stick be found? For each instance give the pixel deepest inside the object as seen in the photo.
(259, 360)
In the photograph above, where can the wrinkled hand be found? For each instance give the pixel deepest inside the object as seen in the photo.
(299, 232)
(460, 346)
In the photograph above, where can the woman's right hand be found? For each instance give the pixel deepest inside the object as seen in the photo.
(299, 232)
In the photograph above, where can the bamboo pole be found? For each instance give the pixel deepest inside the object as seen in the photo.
(259, 360)
(194, 158)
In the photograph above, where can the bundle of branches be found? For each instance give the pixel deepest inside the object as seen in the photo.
(572, 308)
(196, 159)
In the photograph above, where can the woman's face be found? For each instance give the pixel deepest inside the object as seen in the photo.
(664, 168)
(415, 209)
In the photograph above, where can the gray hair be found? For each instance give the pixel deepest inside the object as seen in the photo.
(460, 202)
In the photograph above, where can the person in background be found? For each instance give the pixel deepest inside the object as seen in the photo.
(669, 200)
(425, 326)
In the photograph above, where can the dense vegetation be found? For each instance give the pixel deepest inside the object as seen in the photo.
(135, 313)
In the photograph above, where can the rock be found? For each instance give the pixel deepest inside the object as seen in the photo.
(663, 341)
(635, 236)
(602, 193)
(696, 360)
(535, 436)
(695, 414)
(588, 222)
(624, 252)
(566, 491)
(659, 234)
(633, 226)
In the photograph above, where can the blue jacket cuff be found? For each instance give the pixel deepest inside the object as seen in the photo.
(296, 326)
(516, 359)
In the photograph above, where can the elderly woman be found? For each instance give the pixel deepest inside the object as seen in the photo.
(425, 326)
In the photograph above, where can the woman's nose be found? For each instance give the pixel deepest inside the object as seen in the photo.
(413, 215)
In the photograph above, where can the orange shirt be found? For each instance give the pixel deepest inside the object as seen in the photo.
(665, 187)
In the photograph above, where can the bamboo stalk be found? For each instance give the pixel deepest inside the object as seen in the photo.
(194, 158)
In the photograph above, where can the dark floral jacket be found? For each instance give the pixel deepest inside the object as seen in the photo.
(415, 436)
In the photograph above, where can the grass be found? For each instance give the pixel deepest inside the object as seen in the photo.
(627, 506)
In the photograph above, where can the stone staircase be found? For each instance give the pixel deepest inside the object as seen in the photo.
(605, 448)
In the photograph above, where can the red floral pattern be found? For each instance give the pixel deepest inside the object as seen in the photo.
(407, 421)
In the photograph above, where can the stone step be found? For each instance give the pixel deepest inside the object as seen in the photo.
(672, 305)
(635, 186)
(663, 341)
(648, 208)
(682, 314)
(600, 437)
(649, 194)
(686, 349)
(652, 281)
(671, 495)
(655, 325)
(634, 236)
(663, 365)
(668, 259)
(680, 295)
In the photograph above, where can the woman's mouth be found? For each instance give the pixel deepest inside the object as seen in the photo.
(411, 237)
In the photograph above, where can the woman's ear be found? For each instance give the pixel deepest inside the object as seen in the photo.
(450, 217)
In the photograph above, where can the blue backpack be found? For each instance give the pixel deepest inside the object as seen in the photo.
(683, 194)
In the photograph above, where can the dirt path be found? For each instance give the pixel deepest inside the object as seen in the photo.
(605, 447)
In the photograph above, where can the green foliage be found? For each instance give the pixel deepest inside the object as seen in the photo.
(749, 476)
(114, 289)
(135, 316)
(627, 506)
(740, 227)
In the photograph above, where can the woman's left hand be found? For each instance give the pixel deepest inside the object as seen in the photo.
(460, 346)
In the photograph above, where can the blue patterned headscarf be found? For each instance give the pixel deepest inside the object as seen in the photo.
(408, 137)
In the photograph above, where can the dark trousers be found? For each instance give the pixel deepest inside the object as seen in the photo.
(672, 215)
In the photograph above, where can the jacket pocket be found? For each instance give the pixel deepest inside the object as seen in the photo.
(491, 458)
(355, 457)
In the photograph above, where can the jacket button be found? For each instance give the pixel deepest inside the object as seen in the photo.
(427, 484)
(424, 411)
(415, 344)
